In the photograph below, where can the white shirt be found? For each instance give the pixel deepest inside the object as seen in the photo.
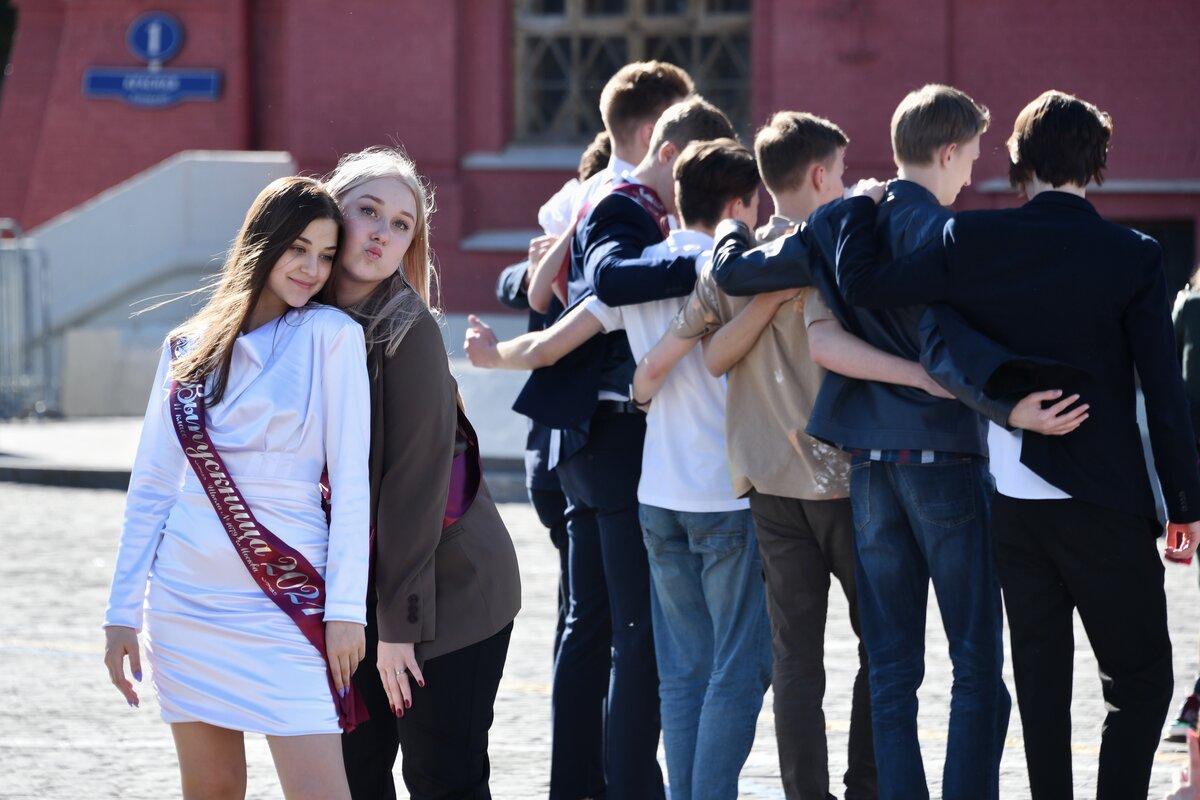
(555, 214)
(685, 466)
(1014, 479)
(595, 187)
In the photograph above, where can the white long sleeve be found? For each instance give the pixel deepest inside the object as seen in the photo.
(346, 396)
(154, 483)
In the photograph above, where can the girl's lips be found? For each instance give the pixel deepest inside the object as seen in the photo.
(302, 284)
(374, 252)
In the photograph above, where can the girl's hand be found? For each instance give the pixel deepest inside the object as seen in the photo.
(120, 641)
(396, 662)
(346, 645)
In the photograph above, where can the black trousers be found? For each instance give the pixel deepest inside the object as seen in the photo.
(1056, 556)
(551, 508)
(606, 677)
(443, 737)
(803, 543)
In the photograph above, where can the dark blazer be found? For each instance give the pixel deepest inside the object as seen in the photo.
(1187, 342)
(511, 292)
(441, 589)
(855, 413)
(606, 260)
(1054, 279)
(606, 257)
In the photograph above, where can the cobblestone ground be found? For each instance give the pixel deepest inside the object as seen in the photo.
(66, 733)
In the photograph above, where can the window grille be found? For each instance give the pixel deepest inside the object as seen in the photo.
(567, 49)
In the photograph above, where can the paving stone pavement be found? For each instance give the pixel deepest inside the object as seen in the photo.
(66, 733)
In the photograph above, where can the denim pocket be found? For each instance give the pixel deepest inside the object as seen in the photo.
(719, 533)
(942, 493)
(860, 494)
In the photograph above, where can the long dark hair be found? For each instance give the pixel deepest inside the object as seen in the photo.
(277, 217)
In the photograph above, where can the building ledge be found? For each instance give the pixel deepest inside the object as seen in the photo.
(1114, 186)
(546, 158)
(499, 241)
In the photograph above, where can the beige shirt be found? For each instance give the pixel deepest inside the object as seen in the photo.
(770, 397)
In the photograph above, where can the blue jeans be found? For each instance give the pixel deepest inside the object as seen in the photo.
(713, 643)
(915, 523)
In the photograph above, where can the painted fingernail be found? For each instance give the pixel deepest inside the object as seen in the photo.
(341, 692)
(132, 704)
(421, 684)
(137, 675)
(408, 703)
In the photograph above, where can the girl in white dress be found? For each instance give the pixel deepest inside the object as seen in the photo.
(286, 387)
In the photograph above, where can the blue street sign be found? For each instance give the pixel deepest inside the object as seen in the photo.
(152, 88)
(155, 37)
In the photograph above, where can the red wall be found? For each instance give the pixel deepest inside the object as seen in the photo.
(317, 78)
(853, 62)
(64, 147)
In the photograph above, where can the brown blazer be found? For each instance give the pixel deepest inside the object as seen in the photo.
(442, 590)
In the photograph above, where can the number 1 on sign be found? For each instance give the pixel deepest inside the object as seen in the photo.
(154, 39)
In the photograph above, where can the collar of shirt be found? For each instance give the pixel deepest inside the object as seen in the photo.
(681, 240)
(621, 170)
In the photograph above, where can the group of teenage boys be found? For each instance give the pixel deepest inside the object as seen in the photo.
(712, 491)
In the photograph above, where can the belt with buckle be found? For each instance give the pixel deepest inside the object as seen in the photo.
(618, 407)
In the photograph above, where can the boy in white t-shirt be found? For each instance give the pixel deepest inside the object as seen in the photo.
(711, 632)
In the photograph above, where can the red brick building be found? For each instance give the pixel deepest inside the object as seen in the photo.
(494, 97)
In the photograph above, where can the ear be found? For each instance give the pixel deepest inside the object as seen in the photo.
(946, 152)
(644, 132)
(666, 152)
(732, 208)
(816, 176)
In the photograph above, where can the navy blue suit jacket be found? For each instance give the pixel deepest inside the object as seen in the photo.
(1053, 278)
(606, 260)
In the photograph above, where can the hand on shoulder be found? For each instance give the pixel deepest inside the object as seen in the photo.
(868, 187)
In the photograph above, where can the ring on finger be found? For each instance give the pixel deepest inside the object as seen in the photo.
(401, 671)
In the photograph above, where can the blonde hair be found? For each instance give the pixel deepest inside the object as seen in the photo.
(395, 305)
(931, 117)
(278, 216)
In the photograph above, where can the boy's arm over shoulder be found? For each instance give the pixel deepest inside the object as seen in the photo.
(741, 269)
(613, 238)
(920, 277)
(703, 311)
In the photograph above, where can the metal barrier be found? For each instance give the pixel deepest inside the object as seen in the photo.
(24, 326)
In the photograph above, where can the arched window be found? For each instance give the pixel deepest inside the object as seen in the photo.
(567, 49)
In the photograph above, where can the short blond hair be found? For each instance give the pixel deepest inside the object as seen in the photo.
(932, 117)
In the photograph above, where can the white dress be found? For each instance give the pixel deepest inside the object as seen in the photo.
(220, 651)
